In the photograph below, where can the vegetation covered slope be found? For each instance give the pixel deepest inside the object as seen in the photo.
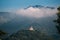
(58, 20)
(30, 35)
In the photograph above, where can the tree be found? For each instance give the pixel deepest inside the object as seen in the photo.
(58, 20)
(2, 33)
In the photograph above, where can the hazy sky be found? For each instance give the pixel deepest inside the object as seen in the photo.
(6, 5)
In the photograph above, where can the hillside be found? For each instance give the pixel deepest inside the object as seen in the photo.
(31, 35)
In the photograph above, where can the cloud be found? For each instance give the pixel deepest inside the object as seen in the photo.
(36, 12)
(3, 20)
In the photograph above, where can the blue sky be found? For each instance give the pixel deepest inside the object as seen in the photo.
(6, 5)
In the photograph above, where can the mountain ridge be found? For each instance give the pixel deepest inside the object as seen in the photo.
(40, 6)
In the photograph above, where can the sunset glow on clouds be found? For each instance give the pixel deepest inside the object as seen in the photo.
(37, 12)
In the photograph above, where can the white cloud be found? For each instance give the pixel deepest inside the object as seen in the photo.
(3, 20)
(36, 12)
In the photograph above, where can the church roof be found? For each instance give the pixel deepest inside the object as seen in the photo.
(31, 28)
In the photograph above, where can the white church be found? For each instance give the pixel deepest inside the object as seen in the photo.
(31, 28)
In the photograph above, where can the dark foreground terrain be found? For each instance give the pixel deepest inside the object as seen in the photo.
(31, 35)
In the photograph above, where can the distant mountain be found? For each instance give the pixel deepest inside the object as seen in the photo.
(40, 6)
(50, 7)
(37, 6)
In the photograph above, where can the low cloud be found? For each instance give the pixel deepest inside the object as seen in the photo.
(36, 12)
(3, 20)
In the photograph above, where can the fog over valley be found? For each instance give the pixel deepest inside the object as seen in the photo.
(41, 18)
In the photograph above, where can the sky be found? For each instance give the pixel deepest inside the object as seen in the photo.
(7, 5)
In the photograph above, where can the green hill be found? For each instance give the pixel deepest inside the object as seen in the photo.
(29, 35)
